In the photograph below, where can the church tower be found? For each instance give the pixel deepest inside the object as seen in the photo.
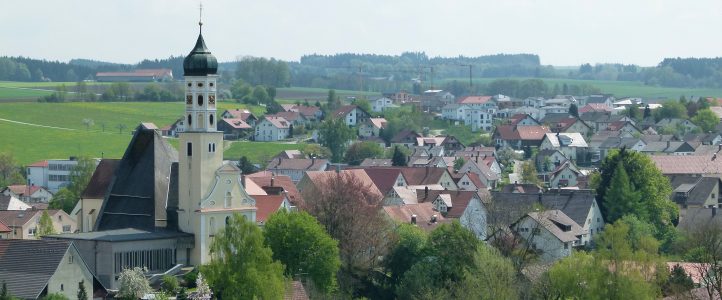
(210, 191)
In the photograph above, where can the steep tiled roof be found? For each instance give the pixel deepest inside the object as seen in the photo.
(549, 219)
(317, 177)
(383, 178)
(474, 100)
(17, 218)
(574, 203)
(263, 179)
(697, 188)
(343, 111)
(11, 203)
(405, 136)
(278, 122)
(376, 162)
(569, 139)
(291, 116)
(688, 164)
(26, 266)
(267, 205)
(378, 122)
(527, 133)
(423, 212)
(236, 123)
(22, 189)
(297, 164)
(523, 188)
(423, 175)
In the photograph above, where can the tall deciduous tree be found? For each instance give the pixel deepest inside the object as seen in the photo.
(242, 267)
(133, 284)
(362, 150)
(45, 225)
(9, 171)
(350, 210)
(706, 119)
(300, 242)
(334, 134)
(407, 251)
(528, 173)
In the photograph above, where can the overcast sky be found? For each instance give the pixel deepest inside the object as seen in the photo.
(561, 32)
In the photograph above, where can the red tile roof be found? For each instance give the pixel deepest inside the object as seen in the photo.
(263, 179)
(474, 100)
(343, 111)
(527, 133)
(266, 205)
(291, 116)
(42, 164)
(312, 164)
(4, 228)
(688, 164)
(278, 122)
(242, 114)
(22, 189)
(237, 123)
(422, 211)
(595, 107)
(383, 178)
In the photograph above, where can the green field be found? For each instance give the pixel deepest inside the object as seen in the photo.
(258, 152)
(21, 94)
(301, 93)
(31, 143)
(619, 88)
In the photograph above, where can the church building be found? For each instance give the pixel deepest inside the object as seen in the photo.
(160, 208)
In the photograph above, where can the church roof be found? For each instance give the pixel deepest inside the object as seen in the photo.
(200, 62)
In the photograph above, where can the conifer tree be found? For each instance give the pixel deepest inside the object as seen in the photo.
(621, 198)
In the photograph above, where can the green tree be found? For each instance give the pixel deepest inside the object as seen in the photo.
(45, 225)
(529, 174)
(679, 282)
(362, 150)
(399, 158)
(169, 284)
(133, 284)
(633, 112)
(334, 134)
(458, 163)
(9, 170)
(301, 243)
(671, 109)
(706, 119)
(290, 131)
(407, 251)
(574, 110)
(246, 166)
(644, 179)
(315, 150)
(55, 296)
(242, 267)
(82, 292)
(331, 100)
(621, 198)
(491, 277)
(647, 112)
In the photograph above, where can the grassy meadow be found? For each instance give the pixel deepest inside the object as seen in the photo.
(30, 143)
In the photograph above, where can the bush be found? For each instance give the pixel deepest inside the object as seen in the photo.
(169, 284)
(190, 279)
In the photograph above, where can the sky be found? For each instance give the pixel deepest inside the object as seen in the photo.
(561, 32)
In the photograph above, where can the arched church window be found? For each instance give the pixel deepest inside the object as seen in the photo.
(228, 199)
(190, 120)
(189, 149)
(210, 119)
(200, 100)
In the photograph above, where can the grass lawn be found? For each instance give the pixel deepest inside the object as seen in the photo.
(620, 88)
(14, 94)
(31, 143)
(257, 152)
(461, 132)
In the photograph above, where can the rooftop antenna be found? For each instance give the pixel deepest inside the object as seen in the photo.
(200, 17)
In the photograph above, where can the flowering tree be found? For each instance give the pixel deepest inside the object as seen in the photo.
(203, 291)
(133, 284)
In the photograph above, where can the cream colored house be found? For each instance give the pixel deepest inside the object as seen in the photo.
(24, 224)
(54, 267)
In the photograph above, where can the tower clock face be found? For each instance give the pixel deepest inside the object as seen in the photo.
(212, 99)
(189, 99)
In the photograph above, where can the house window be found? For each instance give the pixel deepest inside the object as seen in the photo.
(62, 288)
(566, 245)
(189, 149)
(70, 259)
(31, 231)
(66, 228)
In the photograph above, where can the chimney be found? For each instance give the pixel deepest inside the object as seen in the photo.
(433, 218)
(426, 192)
(477, 158)
(273, 178)
(413, 219)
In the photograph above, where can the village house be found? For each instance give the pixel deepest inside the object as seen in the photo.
(548, 160)
(683, 125)
(271, 129)
(552, 233)
(466, 206)
(382, 104)
(275, 184)
(243, 114)
(28, 193)
(372, 127)
(487, 177)
(266, 205)
(572, 145)
(310, 113)
(175, 128)
(296, 118)
(405, 138)
(693, 191)
(565, 175)
(605, 99)
(351, 114)
(234, 128)
(52, 174)
(33, 269)
(10, 202)
(517, 137)
(523, 119)
(434, 100)
(296, 167)
(24, 223)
